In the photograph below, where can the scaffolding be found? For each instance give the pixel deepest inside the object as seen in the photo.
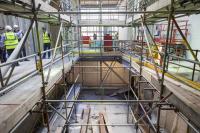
(125, 48)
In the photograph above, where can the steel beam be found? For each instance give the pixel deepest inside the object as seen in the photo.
(45, 113)
(112, 12)
(112, 101)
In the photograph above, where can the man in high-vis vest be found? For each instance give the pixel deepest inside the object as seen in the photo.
(2, 48)
(20, 35)
(10, 40)
(46, 42)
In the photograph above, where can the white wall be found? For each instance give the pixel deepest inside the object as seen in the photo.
(125, 33)
(194, 30)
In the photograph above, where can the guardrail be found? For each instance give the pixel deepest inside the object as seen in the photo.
(136, 52)
(8, 87)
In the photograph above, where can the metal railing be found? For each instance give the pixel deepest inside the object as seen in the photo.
(10, 85)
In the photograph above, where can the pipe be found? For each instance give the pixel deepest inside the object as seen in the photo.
(128, 101)
(96, 67)
(31, 74)
(150, 52)
(143, 109)
(54, 53)
(183, 117)
(33, 55)
(44, 106)
(57, 111)
(111, 12)
(184, 66)
(103, 124)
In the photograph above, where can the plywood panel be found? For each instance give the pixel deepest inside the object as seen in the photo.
(91, 75)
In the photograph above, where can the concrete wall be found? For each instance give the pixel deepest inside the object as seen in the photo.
(33, 122)
(194, 32)
(173, 123)
(91, 75)
(24, 25)
(194, 38)
(125, 33)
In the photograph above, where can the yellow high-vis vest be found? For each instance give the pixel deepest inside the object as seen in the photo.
(11, 40)
(46, 38)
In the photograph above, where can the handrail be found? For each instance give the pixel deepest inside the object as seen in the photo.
(10, 87)
(171, 55)
(193, 67)
(29, 56)
(54, 52)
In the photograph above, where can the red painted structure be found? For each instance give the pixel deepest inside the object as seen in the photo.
(108, 42)
(86, 39)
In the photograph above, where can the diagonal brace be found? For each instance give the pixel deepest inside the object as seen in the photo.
(115, 73)
(185, 39)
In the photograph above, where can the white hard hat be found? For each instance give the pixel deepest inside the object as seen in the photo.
(8, 28)
(15, 26)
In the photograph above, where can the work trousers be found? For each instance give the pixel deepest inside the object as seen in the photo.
(3, 55)
(23, 52)
(9, 52)
(47, 46)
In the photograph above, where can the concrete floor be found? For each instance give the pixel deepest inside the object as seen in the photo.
(116, 114)
(185, 72)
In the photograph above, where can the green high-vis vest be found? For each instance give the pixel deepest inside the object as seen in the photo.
(11, 40)
(46, 38)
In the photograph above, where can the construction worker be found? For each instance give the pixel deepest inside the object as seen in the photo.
(116, 39)
(10, 40)
(95, 39)
(2, 49)
(46, 42)
(157, 35)
(20, 35)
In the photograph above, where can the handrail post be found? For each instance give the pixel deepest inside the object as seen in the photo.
(194, 67)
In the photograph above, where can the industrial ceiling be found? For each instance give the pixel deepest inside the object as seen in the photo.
(93, 3)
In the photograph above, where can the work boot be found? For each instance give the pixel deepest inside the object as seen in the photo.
(17, 64)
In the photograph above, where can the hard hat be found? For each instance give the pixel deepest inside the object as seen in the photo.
(15, 26)
(44, 28)
(8, 28)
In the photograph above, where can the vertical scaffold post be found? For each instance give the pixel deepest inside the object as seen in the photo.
(45, 113)
(63, 63)
(78, 29)
(171, 34)
(171, 10)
